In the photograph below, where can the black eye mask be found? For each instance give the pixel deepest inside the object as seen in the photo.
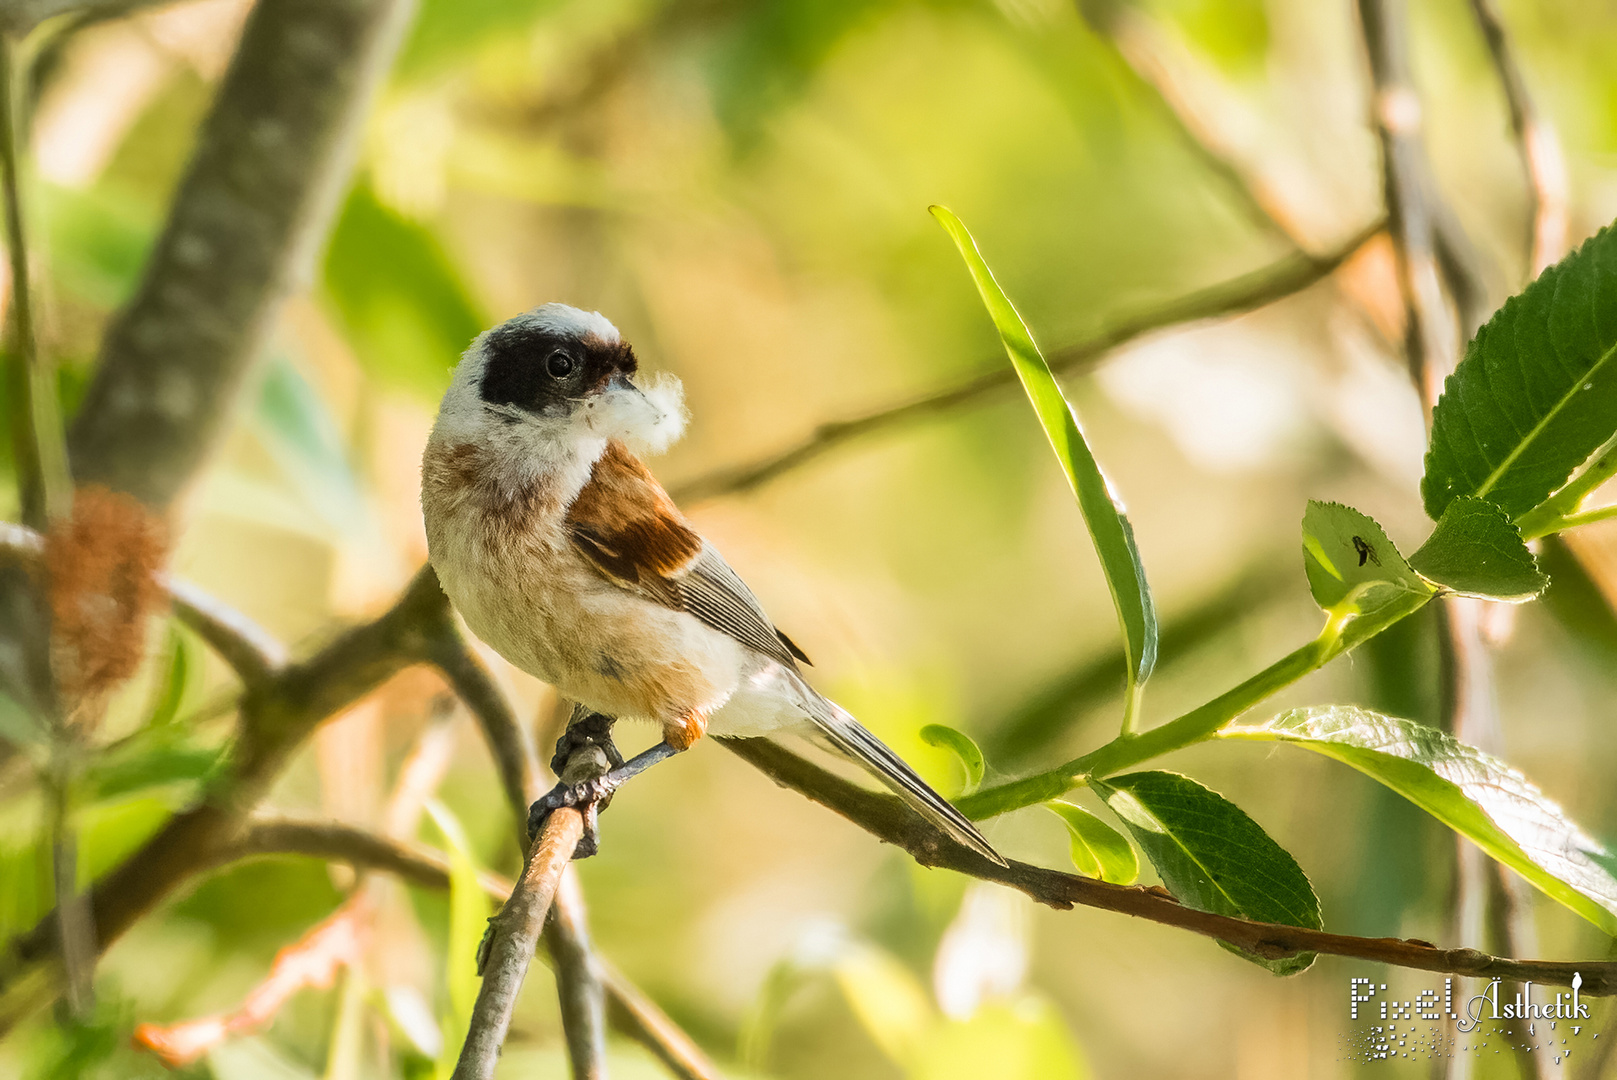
(538, 370)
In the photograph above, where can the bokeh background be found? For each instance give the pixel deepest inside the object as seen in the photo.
(742, 188)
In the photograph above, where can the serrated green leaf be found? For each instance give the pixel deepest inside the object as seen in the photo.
(962, 746)
(1108, 524)
(1472, 793)
(1352, 567)
(1212, 856)
(1477, 550)
(1536, 393)
(1097, 849)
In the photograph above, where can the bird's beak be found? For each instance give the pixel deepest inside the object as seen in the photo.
(620, 381)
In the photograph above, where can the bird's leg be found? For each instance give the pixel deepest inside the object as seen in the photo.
(592, 795)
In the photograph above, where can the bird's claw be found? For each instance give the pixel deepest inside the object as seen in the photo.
(590, 797)
(594, 729)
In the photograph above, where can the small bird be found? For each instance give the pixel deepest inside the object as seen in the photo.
(563, 553)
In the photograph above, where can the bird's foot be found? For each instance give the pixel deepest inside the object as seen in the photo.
(590, 797)
(593, 729)
(593, 795)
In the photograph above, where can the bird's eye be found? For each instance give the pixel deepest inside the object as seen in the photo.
(559, 364)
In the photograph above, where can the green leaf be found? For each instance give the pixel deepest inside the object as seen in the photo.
(1097, 849)
(1352, 568)
(892, 1007)
(1212, 857)
(1108, 524)
(1477, 550)
(446, 30)
(961, 744)
(468, 919)
(1472, 793)
(1536, 393)
(400, 302)
(296, 428)
(1024, 1039)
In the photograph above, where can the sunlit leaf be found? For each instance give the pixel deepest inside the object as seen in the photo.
(1097, 849)
(297, 429)
(1024, 1039)
(98, 242)
(447, 30)
(1352, 567)
(1477, 550)
(468, 919)
(1108, 524)
(1536, 393)
(963, 748)
(891, 1005)
(398, 299)
(1472, 793)
(1212, 856)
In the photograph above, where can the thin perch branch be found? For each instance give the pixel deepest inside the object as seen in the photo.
(1542, 160)
(888, 819)
(631, 1013)
(513, 937)
(1278, 280)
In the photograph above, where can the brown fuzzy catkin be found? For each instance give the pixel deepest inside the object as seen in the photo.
(100, 565)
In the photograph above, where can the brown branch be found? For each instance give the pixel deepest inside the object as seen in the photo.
(1276, 281)
(630, 1011)
(578, 982)
(1430, 341)
(274, 718)
(513, 936)
(1140, 45)
(260, 660)
(1536, 142)
(250, 650)
(888, 819)
(244, 228)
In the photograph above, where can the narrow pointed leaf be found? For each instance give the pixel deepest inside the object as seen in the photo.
(1477, 550)
(963, 748)
(1352, 567)
(1108, 524)
(1472, 793)
(1097, 849)
(1213, 857)
(1536, 393)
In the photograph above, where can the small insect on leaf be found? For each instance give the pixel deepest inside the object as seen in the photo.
(1353, 569)
(964, 749)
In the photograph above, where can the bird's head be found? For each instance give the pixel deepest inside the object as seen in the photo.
(556, 380)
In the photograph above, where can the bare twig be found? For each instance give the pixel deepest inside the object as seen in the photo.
(888, 819)
(578, 980)
(629, 1010)
(250, 650)
(271, 159)
(1547, 201)
(1139, 43)
(1430, 340)
(256, 655)
(1276, 281)
(513, 936)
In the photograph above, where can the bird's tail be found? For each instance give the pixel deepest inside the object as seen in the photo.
(847, 736)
